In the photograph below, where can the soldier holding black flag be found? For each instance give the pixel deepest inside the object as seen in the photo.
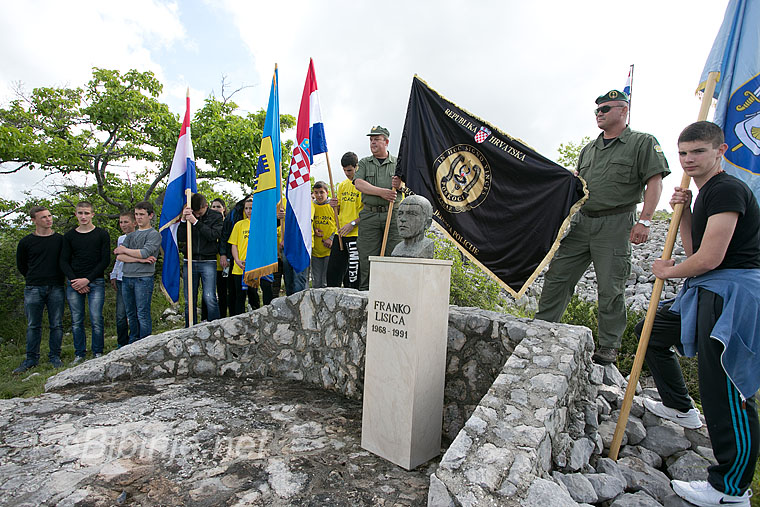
(374, 179)
(619, 167)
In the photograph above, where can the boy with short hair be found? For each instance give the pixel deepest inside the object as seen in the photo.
(139, 253)
(127, 225)
(85, 255)
(37, 259)
(343, 265)
(323, 227)
(715, 317)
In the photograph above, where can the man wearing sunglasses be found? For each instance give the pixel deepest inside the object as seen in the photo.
(621, 167)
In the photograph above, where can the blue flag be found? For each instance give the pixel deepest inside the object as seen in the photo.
(736, 56)
(181, 177)
(261, 255)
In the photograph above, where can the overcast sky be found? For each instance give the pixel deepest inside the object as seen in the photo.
(531, 68)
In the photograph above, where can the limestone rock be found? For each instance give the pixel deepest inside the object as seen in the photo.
(638, 499)
(543, 492)
(606, 486)
(580, 488)
(641, 477)
(665, 439)
(689, 466)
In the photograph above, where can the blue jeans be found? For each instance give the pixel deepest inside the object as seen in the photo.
(205, 272)
(137, 293)
(95, 299)
(36, 297)
(122, 328)
(294, 281)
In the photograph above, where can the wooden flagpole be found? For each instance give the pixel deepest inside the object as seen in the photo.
(387, 227)
(670, 240)
(332, 191)
(189, 282)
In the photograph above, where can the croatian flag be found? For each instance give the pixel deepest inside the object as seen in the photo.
(181, 177)
(629, 83)
(310, 136)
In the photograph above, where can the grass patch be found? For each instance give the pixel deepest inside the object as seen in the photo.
(13, 345)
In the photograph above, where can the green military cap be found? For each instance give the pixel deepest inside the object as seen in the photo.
(612, 95)
(379, 131)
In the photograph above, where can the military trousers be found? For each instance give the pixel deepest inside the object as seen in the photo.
(370, 239)
(605, 241)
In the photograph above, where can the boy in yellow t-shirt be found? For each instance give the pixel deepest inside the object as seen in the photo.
(239, 246)
(323, 227)
(344, 264)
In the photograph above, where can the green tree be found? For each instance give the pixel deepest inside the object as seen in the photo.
(115, 120)
(569, 152)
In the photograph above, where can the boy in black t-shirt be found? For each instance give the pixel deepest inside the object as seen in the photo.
(721, 238)
(85, 255)
(37, 259)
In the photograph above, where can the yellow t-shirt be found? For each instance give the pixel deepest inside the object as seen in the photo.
(239, 238)
(322, 218)
(350, 201)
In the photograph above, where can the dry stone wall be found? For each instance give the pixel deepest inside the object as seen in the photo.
(316, 336)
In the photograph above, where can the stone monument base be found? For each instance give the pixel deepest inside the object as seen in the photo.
(405, 362)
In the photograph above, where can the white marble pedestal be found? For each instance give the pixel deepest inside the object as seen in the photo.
(405, 361)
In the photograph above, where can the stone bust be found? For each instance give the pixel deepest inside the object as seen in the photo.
(415, 215)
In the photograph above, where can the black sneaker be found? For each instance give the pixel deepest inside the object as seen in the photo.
(56, 362)
(26, 365)
(605, 355)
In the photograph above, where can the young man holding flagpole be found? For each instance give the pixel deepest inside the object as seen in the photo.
(715, 317)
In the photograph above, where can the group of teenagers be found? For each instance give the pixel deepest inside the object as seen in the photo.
(71, 267)
(715, 315)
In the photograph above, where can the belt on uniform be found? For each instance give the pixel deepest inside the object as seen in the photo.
(377, 209)
(608, 212)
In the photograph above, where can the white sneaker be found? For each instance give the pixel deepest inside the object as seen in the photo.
(688, 419)
(703, 494)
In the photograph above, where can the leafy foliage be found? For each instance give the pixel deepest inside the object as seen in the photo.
(470, 285)
(569, 152)
(117, 120)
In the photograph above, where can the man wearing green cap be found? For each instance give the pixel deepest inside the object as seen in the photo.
(374, 179)
(621, 167)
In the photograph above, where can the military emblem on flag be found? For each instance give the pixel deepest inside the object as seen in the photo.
(482, 135)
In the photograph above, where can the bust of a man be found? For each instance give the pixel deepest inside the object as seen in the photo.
(415, 215)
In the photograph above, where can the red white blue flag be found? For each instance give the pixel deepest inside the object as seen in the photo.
(181, 177)
(310, 136)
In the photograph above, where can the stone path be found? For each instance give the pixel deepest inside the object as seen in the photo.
(195, 442)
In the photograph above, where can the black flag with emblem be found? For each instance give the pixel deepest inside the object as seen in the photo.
(504, 205)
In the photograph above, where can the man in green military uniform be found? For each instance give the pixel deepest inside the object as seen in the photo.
(374, 179)
(620, 167)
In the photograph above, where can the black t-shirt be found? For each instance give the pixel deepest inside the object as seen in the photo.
(37, 259)
(724, 193)
(85, 254)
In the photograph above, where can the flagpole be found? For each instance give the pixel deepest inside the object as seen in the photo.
(387, 227)
(630, 97)
(189, 283)
(657, 290)
(332, 190)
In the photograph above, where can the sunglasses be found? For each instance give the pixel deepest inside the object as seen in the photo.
(604, 109)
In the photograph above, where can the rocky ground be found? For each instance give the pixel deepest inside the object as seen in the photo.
(653, 452)
(195, 442)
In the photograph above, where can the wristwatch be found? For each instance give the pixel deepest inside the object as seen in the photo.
(353, 222)
(645, 223)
